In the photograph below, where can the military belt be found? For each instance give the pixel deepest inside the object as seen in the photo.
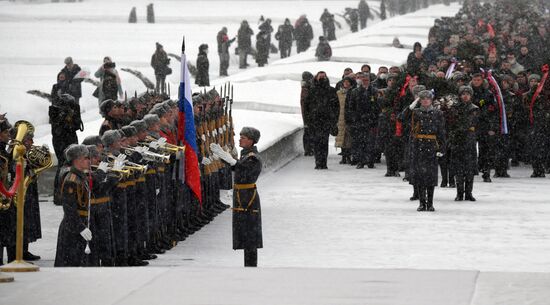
(243, 210)
(131, 183)
(426, 136)
(161, 169)
(244, 186)
(151, 172)
(83, 213)
(122, 185)
(100, 200)
(140, 179)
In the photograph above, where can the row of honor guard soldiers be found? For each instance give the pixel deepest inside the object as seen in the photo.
(123, 192)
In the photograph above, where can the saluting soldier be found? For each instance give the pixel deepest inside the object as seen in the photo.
(427, 142)
(74, 232)
(247, 216)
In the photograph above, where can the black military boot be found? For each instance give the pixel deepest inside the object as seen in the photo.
(452, 182)
(430, 203)
(469, 188)
(422, 197)
(250, 257)
(415, 194)
(360, 165)
(344, 159)
(487, 176)
(459, 188)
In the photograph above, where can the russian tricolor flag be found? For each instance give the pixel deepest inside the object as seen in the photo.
(186, 130)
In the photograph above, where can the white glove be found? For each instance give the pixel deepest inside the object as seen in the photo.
(205, 161)
(215, 157)
(413, 104)
(224, 128)
(154, 145)
(103, 166)
(118, 165)
(161, 141)
(439, 154)
(214, 133)
(86, 234)
(203, 137)
(220, 130)
(217, 150)
(141, 149)
(121, 157)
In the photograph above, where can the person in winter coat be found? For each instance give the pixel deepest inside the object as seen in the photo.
(203, 65)
(74, 233)
(223, 50)
(364, 13)
(160, 62)
(244, 43)
(343, 139)
(267, 29)
(262, 48)
(306, 84)
(323, 52)
(285, 35)
(462, 141)
(539, 118)
(362, 110)
(71, 70)
(427, 142)
(247, 212)
(352, 18)
(109, 84)
(327, 20)
(321, 111)
(303, 33)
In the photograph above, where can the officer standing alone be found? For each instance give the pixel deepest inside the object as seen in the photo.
(247, 216)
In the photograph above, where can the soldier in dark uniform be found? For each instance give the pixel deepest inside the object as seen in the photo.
(539, 116)
(427, 142)
(119, 208)
(362, 111)
(462, 140)
(32, 228)
(74, 233)
(7, 215)
(321, 110)
(111, 111)
(247, 215)
(488, 126)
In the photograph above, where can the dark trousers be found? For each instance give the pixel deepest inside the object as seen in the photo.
(487, 146)
(320, 148)
(161, 84)
(224, 63)
(308, 143)
(363, 143)
(464, 184)
(447, 175)
(393, 152)
(251, 257)
(101, 245)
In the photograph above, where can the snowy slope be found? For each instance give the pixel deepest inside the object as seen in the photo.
(40, 36)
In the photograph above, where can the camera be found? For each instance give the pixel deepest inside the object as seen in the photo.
(109, 65)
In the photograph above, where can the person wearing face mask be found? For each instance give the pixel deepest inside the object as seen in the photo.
(362, 110)
(427, 142)
(321, 110)
(203, 64)
(381, 78)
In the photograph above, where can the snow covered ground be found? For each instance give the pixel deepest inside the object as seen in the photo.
(342, 236)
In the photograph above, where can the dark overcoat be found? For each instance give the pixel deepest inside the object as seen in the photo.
(462, 125)
(427, 138)
(247, 214)
(74, 198)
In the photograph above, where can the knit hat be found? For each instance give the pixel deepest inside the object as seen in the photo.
(467, 89)
(68, 60)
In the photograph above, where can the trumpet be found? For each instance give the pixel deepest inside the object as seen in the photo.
(120, 172)
(148, 155)
(131, 166)
(167, 146)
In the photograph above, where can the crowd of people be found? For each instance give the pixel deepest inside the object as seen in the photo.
(475, 99)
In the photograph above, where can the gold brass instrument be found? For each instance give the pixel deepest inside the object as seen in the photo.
(123, 173)
(131, 166)
(39, 159)
(167, 146)
(148, 155)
